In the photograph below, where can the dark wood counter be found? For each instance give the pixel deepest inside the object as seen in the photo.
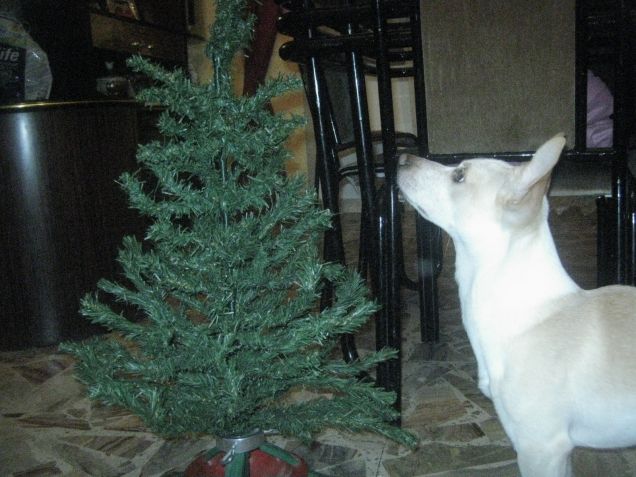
(62, 215)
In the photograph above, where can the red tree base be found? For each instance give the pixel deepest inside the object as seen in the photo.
(266, 461)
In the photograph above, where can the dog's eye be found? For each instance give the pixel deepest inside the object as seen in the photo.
(459, 175)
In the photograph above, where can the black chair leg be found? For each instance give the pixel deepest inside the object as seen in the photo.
(428, 241)
(388, 320)
(328, 180)
(605, 238)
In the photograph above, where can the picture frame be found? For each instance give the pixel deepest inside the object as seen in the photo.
(123, 8)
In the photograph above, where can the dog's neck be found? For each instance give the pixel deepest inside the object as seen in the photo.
(502, 279)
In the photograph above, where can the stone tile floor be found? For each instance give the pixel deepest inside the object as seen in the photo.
(48, 426)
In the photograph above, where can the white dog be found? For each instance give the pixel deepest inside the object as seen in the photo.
(558, 362)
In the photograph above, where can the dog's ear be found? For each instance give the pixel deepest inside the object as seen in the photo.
(539, 168)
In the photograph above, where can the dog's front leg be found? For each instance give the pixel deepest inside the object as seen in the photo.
(483, 379)
(544, 459)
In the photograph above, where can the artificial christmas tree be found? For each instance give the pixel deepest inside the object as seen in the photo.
(219, 325)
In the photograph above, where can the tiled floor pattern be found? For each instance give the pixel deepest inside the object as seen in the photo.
(48, 427)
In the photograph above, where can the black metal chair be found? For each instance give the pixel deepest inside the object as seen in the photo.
(383, 39)
(605, 37)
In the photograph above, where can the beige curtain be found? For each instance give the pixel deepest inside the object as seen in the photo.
(499, 73)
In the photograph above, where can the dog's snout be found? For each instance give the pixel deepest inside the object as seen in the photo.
(405, 160)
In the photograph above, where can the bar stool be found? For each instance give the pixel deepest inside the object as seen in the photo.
(606, 35)
(382, 39)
